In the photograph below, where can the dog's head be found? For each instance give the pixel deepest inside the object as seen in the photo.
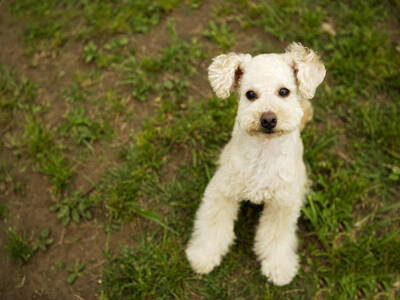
(270, 87)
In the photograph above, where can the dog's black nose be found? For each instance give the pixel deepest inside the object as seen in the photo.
(268, 120)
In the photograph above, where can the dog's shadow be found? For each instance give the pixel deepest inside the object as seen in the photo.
(246, 224)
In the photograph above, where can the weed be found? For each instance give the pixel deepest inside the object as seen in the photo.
(18, 249)
(90, 52)
(43, 241)
(75, 272)
(74, 208)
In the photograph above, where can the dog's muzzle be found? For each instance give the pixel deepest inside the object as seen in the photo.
(268, 121)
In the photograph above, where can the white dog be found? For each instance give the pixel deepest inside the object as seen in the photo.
(263, 161)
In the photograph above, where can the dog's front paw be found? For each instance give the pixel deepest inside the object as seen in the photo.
(202, 260)
(280, 270)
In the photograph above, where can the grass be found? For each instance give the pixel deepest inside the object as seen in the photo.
(83, 130)
(220, 35)
(15, 93)
(49, 159)
(338, 185)
(133, 274)
(50, 21)
(349, 237)
(18, 248)
(178, 58)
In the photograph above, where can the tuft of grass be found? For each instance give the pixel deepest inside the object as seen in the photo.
(83, 130)
(15, 94)
(220, 34)
(38, 140)
(18, 248)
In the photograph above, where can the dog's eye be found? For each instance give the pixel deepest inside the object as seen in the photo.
(251, 95)
(284, 92)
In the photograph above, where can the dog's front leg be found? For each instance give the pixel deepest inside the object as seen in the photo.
(275, 243)
(213, 227)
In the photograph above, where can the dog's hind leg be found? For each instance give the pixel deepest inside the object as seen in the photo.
(213, 227)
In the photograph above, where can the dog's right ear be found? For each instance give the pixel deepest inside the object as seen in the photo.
(225, 71)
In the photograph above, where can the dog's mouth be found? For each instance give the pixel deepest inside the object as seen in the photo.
(271, 132)
(267, 133)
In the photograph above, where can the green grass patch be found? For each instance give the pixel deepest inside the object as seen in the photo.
(351, 151)
(18, 247)
(164, 74)
(151, 270)
(50, 21)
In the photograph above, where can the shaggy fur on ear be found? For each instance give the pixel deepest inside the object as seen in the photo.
(308, 69)
(224, 70)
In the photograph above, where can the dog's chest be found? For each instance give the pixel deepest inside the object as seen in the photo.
(263, 170)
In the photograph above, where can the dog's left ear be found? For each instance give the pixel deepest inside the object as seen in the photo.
(307, 67)
(225, 71)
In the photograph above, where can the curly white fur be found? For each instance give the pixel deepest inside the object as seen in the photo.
(311, 72)
(263, 168)
(221, 72)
